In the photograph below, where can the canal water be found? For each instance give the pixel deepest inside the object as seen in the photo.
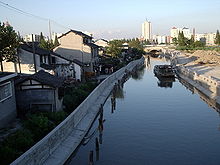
(153, 122)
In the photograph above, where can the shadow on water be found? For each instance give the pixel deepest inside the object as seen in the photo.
(97, 128)
(210, 102)
(165, 82)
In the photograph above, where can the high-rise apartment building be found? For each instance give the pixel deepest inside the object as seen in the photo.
(28, 38)
(174, 32)
(146, 30)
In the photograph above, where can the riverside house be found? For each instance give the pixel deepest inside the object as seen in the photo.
(79, 46)
(7, 98)
(103, 44)
(39, 91)
(48, 61)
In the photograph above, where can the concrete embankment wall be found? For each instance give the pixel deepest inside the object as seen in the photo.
(208, 85)
(57, 146)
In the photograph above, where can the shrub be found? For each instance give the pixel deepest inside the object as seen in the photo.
(39, 125)
(56, 117)
(75, 95)
(15, 145)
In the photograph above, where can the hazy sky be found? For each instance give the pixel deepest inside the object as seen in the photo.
(113, 18)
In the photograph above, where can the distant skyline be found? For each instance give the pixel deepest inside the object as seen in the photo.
(113, 19)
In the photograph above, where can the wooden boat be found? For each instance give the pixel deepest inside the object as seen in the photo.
(164, 71)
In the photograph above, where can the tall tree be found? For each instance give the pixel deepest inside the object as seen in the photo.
(217, 38)
(41, 37)
(182, 41)
(56, 42)
(8, 44)
(175, 41)
(48, 45)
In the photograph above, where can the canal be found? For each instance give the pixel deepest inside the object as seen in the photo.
(154, 123)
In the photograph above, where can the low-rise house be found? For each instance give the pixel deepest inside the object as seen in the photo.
(32, 60)
(7, 98)
(103, 44)
(66, 68)
(79, 46)
(40, 91)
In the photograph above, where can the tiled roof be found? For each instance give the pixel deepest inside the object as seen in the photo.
(3, 74)
(6, 76)
(76, 32)
(72, 60)
(38, 50)
(41, 51)
(101, 39)
(92, 45)
(42, 77)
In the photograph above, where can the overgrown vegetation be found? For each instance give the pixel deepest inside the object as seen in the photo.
(76, 94)
(38, 124)
(35, 126)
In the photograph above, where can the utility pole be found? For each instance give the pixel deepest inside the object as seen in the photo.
(33, 48)
(83, 72)
(50, 31)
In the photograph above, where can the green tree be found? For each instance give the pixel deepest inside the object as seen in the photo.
(197, 44)
(56, 42)
(114, 48)
(48, 45)
(217, 38)
(191, 41)
(41, 37)
(8, 44)
(175, 41)
(135, 43)
(182, 41)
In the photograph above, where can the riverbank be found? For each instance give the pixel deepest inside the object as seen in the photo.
(201, 71)
(58, 145)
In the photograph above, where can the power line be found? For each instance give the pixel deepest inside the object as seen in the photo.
(29, 14)
(23, 12)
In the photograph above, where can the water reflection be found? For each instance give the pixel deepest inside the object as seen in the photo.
(138, 74)
(179, 129)
(211, 102)
(148, 62)
(165, 82)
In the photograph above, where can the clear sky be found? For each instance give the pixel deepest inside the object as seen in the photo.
(113, 18)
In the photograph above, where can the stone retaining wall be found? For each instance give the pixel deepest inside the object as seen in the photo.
(44, 149)
(209, 85)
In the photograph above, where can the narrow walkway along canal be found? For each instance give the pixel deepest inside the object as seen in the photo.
(153, 123)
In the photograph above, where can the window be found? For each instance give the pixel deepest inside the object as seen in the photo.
(53, 60)
(43, 59)
(5, 91)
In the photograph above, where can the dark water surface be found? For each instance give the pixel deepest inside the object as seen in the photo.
(154, 123)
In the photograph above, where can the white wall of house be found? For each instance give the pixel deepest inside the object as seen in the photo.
(26, 63)
(65, 68)
(77, 71)
(72, 47)
(101, 43)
